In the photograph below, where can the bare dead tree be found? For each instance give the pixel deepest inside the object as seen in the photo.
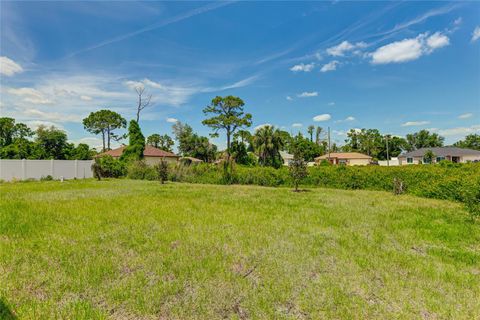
(143, 100)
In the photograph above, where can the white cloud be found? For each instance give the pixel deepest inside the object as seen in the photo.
(30, 95)
(322, 117)
(297, 125)
(414, 123)
(51, 116)
(289, 98)
(86, 98)
(8, 67)
(307, 94)
(34, 124)
(459, 131)
(465, 115)
(303, 67)
(331, 66)
(331, 103)
(476, 34)
(458, 21)
(342, 48)
(409, 49)
(172, 120)
(347, 119)
(437, 40)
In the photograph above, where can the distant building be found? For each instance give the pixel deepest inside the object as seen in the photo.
(286, 157)
(345, 158)
(151, 155)
(454, 154)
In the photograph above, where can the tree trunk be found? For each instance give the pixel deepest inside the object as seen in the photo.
(108, 138)
(228, 145)
(103, 140)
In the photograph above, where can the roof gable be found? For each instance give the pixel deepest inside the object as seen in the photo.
(442, 152)
(149, 151)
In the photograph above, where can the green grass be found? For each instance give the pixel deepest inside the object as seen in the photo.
(125, 249)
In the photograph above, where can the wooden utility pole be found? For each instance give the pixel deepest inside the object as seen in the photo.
(388, 158)
(328, 144)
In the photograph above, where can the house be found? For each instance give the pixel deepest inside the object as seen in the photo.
(454, 154)
(345, 158)
(151, 155)
(190, 160)
(286, 157)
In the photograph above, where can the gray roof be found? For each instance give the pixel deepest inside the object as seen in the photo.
(442, 152)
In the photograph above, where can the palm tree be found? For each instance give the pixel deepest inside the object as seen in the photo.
(318, 133)
(310, 130)
(244, 135)
(268, 142)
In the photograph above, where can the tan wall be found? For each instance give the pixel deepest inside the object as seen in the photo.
(416, 160)
(154, 160)
(358, 162)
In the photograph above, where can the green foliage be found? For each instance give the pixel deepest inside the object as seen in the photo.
(10, 131)
(268, 143)
(226, 114)
(163, 142)
(46, 178)
(193, 145)
(140, 170)
(472, 141)
(51, 143)
(424, 139)
(428, 156)
(306, 147)
(162, 170)
(104, 122)
(298, 168)
(110, 167)
(136, 143)
(239, 153)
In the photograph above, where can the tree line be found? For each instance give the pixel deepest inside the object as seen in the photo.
(223, 115)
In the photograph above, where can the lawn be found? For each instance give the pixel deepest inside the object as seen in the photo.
(125, 249)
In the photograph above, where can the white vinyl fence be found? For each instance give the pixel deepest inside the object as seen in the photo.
(35, 169)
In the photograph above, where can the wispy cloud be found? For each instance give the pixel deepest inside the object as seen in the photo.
(289, 98)
(331, 66)
(415, 123)
(476, 34)
(303, 67)
(459, 131)
(307, 94)
(163, 23)
(172, 120)
(322, 117)
(465, 115)
(8, 67)
(344, 47)
(347, 119)
(297, 125)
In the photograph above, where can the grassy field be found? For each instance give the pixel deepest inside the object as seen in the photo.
(125, 249)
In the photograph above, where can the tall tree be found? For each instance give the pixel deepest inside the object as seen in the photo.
(298, 167)
(472, 141)
(104, 122)
(268, 143)
(318, 135)
(226, 114)
(136, 143)
(192, 145)
(164, 142)
(424, 139)
(51, 143)
(9, 131)
(304, 146)
(183, 135)
(310, 130)
(143, 99)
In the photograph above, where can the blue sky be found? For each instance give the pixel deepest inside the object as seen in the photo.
(396, 66)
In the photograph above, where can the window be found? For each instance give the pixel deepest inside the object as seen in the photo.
(343, 161)
(440, 159)
(409, 160)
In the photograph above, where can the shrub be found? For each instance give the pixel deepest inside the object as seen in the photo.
(109, 167)
(140, 170)
(162, 170)
(46, 178)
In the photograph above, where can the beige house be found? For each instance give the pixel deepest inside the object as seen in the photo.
(151, 155)
(345, 158)
(454, 154)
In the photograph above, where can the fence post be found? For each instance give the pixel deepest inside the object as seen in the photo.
(52, 168)
(76, 169)
(24, 169)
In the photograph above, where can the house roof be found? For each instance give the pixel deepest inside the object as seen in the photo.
(344, 155)
(148, 152)
(191, 159)
(442, 152)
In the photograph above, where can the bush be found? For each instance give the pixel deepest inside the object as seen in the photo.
(46, 178)
(162, 170)
(140, 170)
(110, 167)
